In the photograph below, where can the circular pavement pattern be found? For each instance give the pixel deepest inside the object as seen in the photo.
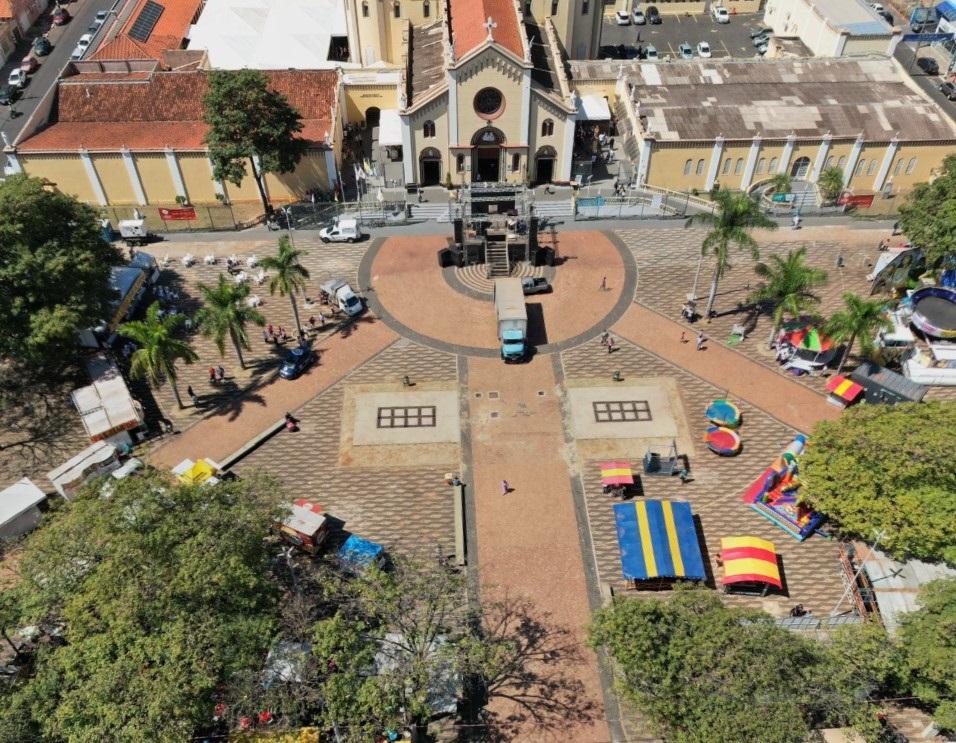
(474, 279)
(419, 300)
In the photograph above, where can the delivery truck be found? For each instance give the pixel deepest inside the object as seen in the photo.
(512, 319)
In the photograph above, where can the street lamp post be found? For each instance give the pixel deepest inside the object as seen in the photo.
(287, 210)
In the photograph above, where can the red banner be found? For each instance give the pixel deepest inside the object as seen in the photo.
(848, 199)
(184, 213)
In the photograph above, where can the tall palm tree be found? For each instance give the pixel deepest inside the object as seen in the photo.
(158, 348)
(736, 215)
(288, 274)
(225, 313)
(788, 285)
(860, 319)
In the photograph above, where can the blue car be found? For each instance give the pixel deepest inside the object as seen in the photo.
(298, 360)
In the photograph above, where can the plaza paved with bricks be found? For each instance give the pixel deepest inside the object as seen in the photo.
(551, 538)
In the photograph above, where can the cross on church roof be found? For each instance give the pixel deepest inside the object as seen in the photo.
(490, 24)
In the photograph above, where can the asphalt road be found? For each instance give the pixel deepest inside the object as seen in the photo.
(725, 39)
(64, 40)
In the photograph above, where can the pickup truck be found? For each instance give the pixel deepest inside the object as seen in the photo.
(535, 285)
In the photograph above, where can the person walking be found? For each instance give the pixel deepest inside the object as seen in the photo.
(321, 321)
(312, 321)
(605, 337)
(271, 331)
(192, 395)
(266, 338)
(610, 344)
(701, 339)
(212, 375)
(683, 337)
(220, 374)
(604, 283)
(505, 487)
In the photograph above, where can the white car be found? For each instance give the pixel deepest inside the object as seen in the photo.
(623, 18)
(650, 53)
(877, 7)
(17, 79)
(720, 14)
(639, 17)
(703, 50)
(81, 46)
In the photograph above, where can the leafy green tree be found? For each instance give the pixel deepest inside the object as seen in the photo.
(928, 217)
(162, 591)
(54, 270)
(928, 641)
(830, 183)
(248, 122)
(289, 275)
(226, 314)
(781, 182)
(789, 285)
(730, 226)
(159, 349)
(888, 470)
(860, 319)
(703, 672)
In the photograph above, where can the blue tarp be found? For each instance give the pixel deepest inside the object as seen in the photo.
(360, 552)
(657, 539)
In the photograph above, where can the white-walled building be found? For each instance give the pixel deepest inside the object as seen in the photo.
(832, 28)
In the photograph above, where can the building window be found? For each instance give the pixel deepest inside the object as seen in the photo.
(899, 167)
(364, 10)
(515, 161)
(397, 10)
(459, 163)
(700, 167)
(861, 166)
(872, 169)
(841, 163)
(761, 164)
(426, 9)
(547, 128)
(726, 169)
(428, 129)
(828, 163)
(554, 7)
(585, 7)
(911, 166)
(687, 167)
(773, 165)
(489, 103)
(739, 167)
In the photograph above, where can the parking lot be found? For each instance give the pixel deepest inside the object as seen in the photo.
(725, 39)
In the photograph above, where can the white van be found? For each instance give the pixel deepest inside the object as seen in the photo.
(344, 230)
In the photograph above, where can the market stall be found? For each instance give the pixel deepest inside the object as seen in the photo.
(658, 541)
(843, 391)
(203, 472)
(616, 476)
(306, 527)
(750, 565)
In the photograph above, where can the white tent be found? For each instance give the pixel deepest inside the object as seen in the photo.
(389, 128)
(593, 108)
(18, 508)
(269, 35)
(94, 460)
(106, 407)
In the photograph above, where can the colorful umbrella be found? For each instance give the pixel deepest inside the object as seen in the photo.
(722, 441)
(810, 339)
(616, 473)
(843, 388)
(723, 413)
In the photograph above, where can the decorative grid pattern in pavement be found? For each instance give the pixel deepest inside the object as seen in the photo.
(621, 411)
(667, 260)
(404, 508)
(406, 417)
(811, 569)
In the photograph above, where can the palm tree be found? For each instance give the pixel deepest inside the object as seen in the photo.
(158, 348)
(830, 183)
(225, 313)
(781, 182)
(736, 215)
(289, 275)
(860, 318)
(789, 285)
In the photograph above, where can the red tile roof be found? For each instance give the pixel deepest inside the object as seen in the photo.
(468, 19)
(103, 112)
(168, 33)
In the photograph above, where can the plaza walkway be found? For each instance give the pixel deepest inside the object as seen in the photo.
(785, 399)
(225, 431)
(528, 543)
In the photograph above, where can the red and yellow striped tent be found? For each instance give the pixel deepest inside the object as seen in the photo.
(749, 560)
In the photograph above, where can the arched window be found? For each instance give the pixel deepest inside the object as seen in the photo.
(726, 168)
(773, 165)
(459, 163)
(761, 164)
(700, 166)
(364, 10)
(860, 167)
(841, 162)
(911, 166)
(585, 7)
(554, 7)
(428, 129)
(687, 167)
(426, 9)
(397, 10)
(828, 163)
(547, 128)
(872, 169)
(899, 167)
(739, 166)
(515, 161)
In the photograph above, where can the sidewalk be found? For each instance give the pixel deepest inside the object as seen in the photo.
(785, 399)
(225, 431)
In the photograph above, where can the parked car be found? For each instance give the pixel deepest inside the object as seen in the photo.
(535, 285)
(928, 65)
(650, 53)
(17, 79)
(42, 46)
(81, 46)
(761, 32)
(623, 18)
(877, 7)
(684, 51)
(343, 230)
(29, 64)
(948, 89)
(654, 16)
(101, 16)
(720, 14)
(298, 360)
(8, 95)
(61, 16)
(762, 49)
(703, 50)
(639, 18)
(761, 40)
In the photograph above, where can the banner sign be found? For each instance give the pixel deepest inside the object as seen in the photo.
(783, 198)
(848, 199)
(182, 214)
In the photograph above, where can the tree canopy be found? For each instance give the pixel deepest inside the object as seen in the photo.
(248, 120)
(162, 592)
(890, 470)
(928, 217)
(703, 672)
(928, 650)
(54, 270)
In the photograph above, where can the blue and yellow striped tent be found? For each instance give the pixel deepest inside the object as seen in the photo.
(657, 539)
